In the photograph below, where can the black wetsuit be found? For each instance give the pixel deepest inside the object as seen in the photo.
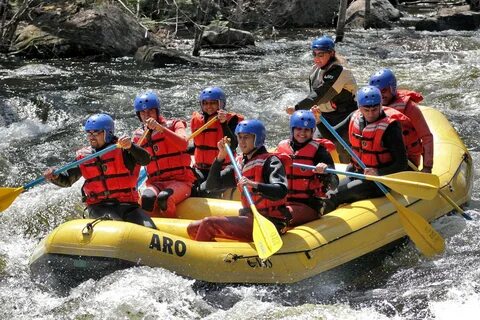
(332, 84)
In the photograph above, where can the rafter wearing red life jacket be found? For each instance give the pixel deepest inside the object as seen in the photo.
(405, 102)
(410, 136)
(167, 161)
(253, 170)
(206, 142)
(106, 177)
(304, 184)
(367, 143)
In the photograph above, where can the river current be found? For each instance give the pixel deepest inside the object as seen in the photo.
(43, 105)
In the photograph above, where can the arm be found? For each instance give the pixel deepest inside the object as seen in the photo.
(424, 133)
(330, 181)
(64, 179)
(135, 156)
(228, 131)
(324, 93)
(393, 141)
(179, 137)
(219, 179)
(274, 173)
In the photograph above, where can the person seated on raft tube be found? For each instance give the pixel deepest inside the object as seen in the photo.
(307, 188)
(212, 103)
(417, 136)
(170, 177)
(332, 88)
(263, 174)
(376, 138)
(111, 179)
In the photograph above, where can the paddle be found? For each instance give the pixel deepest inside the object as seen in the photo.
(205, 126)
(265, 235)
(424, 186)
(8, 195)
(446, 197)
(425, 237)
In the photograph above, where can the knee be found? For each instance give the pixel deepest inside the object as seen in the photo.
(148, 200)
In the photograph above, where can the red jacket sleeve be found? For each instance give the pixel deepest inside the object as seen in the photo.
(424, 133)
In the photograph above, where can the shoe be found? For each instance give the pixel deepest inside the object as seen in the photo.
(328, 205)
(162, 199)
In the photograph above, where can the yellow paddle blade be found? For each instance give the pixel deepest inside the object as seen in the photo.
(416, 184)
(7, 196)
(265, 235)
(423, 235)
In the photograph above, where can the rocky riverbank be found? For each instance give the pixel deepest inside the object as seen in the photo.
(105, 29)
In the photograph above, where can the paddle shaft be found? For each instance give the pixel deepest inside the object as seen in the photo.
(205, 126)
(71, 165)
(330, 170)
(239, 174)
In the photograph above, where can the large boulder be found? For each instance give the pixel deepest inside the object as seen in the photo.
(224, 37)
(456, 18)
(66, 30)
(161, 57)
(382, 14)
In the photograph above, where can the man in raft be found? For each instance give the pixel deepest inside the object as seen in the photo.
(417, 136)
(170, 177)
(332, 89)
(111, 179)
(375, 134)
(262, 173)
(212, 103)
(307, 188)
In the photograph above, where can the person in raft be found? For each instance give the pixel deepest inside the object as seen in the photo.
(332, 89)
(212, 103)
(376, 138)
(417, 136)
(111, 179)
(307, 188)
(170, 177)
(262, 173)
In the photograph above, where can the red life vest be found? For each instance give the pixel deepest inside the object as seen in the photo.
(410, 137)
(304, 183)
(403, 98)
(253, 170)
(367, 143)
(107, 177)
(167, 161)
(206, 142)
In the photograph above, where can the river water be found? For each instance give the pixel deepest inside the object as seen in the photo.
(44, 103)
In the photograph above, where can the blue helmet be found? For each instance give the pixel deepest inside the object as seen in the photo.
(383, 79)
(145, 101)
(99, 122)
(213, 93)
(323, 44)
(302, 119)
(255, 127)
(369, 96)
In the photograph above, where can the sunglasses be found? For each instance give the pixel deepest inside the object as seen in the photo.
(370, 107)
(93, 133)
(320, 54)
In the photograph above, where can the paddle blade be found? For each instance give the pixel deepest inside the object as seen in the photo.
(415, 184)
(265, 235)
(7, 196)
(423, 235)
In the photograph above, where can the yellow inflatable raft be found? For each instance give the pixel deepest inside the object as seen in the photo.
(75, 252)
